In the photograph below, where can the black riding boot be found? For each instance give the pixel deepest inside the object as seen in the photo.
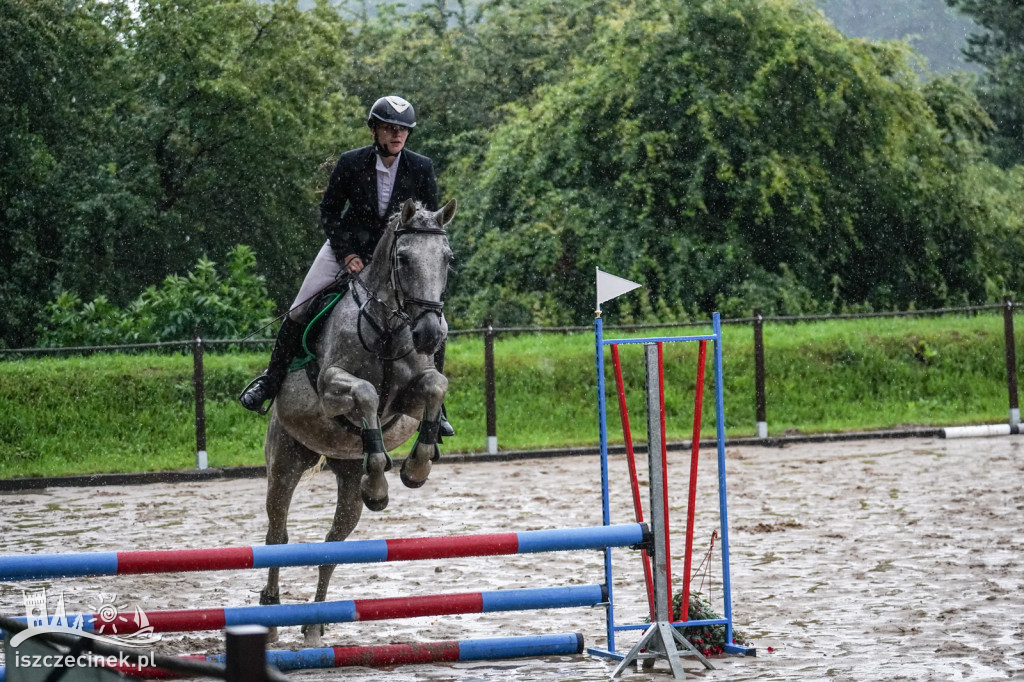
(446, 429)
(265, 386)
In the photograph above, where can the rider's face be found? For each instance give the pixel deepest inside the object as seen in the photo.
(390, 136)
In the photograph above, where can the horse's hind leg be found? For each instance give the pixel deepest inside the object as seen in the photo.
(346, 515)
(286, 462)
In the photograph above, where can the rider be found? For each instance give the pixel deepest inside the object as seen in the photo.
(367, 185)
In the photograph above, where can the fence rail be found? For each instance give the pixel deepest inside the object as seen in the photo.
(757, 321)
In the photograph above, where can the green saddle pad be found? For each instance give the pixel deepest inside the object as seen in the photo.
(324, 305)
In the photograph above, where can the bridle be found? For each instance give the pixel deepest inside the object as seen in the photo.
(401, 297)
(387, 329)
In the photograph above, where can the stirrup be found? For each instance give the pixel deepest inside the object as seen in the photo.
(445, 428)
(259, 409)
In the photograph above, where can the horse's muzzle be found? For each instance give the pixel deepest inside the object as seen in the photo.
(427, 333)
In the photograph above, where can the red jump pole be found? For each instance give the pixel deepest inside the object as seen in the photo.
(627, 436)
(698, 401)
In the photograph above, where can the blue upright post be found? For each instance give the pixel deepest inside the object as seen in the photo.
(716, 323)
(602, 426)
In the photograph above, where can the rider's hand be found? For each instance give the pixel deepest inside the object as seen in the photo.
(353, 264)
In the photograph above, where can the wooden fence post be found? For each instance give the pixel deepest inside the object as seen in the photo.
(489, 397)
(1011, 362)
(759, 398)
(199, 388)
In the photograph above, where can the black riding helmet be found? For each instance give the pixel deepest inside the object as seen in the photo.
(392, 109)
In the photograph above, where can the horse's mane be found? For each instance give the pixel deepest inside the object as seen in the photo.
(397, 215)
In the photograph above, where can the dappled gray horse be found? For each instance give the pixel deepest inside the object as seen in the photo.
(376, 383)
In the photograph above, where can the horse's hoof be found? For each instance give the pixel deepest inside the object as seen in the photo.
(272, 635)
(410, 483)
(408, 479)
(416, 467)
(375, 497)
(373, 486)
(312, 635)
(376, 505)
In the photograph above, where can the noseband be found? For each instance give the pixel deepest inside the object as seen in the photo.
(387, 330)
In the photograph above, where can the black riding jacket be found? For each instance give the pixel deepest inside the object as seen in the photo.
(348, 210)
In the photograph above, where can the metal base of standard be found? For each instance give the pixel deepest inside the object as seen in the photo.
(660, 642)
(740, 650)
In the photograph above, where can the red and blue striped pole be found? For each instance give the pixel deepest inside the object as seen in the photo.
(347, 611)
(396, 654)
(399, 654)
(44, 566)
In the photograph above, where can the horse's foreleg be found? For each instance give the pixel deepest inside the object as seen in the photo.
(346, 515)
(345, 395)
(427, 392)
(286, 461)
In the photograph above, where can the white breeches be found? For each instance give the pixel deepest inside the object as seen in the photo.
(323, 271)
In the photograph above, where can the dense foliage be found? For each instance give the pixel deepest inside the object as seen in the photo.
(220, 305)
(727, 154)
(1000, 49)
(140, 135)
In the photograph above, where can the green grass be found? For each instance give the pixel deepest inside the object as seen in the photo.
(108, 413)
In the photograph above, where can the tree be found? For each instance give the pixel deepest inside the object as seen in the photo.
(222, 306)
(181, 129)
(230, 111)
(54, 67)
(1000, 49)
(462, 62)
(727, 155)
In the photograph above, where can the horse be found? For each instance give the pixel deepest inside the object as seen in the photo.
(376, 383)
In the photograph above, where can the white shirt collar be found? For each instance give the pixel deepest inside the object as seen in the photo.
(394, 166)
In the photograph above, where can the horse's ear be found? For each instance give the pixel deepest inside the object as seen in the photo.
(447, 212)
(408, 211)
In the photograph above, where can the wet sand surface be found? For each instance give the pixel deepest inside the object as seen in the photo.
(874, 560)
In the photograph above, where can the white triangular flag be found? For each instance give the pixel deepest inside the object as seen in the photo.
(609, 286)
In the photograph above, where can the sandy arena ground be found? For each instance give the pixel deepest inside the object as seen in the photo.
(870, 560)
